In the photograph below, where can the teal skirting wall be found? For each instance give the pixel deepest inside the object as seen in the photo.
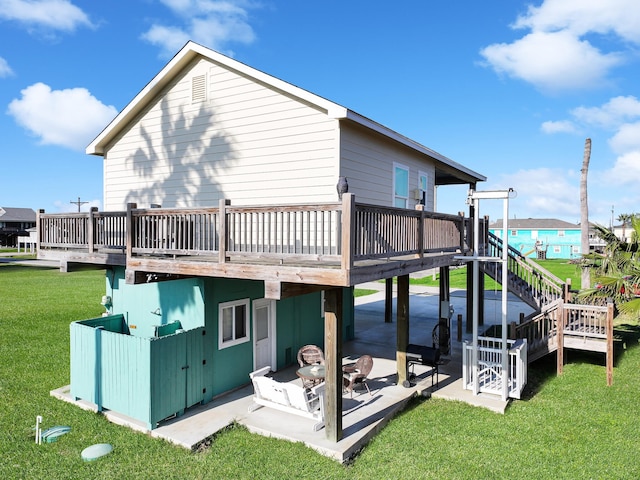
(133, 361)
(144, 378)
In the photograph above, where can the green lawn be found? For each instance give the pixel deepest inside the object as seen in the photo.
(458, 276)
(567, 427)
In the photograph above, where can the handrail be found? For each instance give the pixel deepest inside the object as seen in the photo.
(90, 230)
(542, 285)
(306, 232)
(541, 329)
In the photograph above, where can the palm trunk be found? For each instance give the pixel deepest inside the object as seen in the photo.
(584, 213)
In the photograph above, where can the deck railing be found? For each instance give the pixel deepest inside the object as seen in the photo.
(343, 232)
(489, 369)
(541, 329)
(92, 230)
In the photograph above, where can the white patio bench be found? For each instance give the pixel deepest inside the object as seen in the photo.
(288, 397)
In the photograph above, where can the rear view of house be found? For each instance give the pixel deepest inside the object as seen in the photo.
(226, 242)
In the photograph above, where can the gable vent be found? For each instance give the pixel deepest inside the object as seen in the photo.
(198, 88)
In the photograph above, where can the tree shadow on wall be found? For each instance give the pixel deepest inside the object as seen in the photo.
(179, 162)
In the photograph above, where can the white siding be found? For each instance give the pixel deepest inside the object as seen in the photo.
(367, 161)
(246, 142)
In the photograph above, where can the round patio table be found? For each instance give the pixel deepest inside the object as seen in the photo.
(311, 375)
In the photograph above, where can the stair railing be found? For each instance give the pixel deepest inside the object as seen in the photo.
(540, 284)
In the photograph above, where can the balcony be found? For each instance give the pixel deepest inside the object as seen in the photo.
(333, 244)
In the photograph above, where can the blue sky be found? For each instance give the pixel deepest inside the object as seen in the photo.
(508, 88)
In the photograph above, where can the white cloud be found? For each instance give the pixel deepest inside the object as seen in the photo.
(611, 114)
(59, 15)
(70, 118)
(5, 69)
(559, 52)
(563, 126)
(620, 17)
(542, 192)
(625, 171)
(626, 139)
(208, 22)
(552, 61)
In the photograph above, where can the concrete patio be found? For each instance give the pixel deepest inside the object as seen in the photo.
(364, 414)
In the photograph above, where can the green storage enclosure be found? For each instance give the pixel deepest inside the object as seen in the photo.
(148, 379)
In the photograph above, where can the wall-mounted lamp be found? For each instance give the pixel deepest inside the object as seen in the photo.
(157, 312)
(107, 303)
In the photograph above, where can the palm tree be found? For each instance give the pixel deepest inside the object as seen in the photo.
(624, 218)
(584, 214)
(617, 270)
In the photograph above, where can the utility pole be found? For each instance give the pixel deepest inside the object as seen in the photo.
(78, 203)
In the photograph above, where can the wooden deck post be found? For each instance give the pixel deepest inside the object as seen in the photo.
(560, 322)
(609, 344)
(91, 241)
(131, 234)
(402, 328)
(444, 317)
(388, 300)
(333, 363)
(347, 237)
(470, 294)
(223, 244)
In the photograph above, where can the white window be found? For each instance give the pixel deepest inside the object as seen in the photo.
(233, 323)
(561, 233)
(534, 234)
(514, 233)
(575, 249)
(422, 188)
(400, 185)
(557, 249)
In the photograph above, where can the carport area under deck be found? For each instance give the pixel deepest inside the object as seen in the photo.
(363, 415)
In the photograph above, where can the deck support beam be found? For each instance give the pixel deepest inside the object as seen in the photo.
(333, 299)
(402, 328)
(388, 300)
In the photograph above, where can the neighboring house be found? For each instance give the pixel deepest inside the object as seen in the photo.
(249, 252)
(624, 231)
(15, 222)
(541, 237)
(30, 241)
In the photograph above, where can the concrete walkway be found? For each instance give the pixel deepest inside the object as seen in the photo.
(363, 415)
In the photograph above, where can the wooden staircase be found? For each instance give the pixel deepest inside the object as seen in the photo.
(556, 323)
(526, 279)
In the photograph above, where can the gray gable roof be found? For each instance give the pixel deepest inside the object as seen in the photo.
(9, 214)
(535, 224)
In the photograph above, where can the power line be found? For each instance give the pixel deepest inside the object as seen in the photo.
(78, 203)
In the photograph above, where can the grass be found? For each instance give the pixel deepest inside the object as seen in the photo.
(572, 426)
(561, 268)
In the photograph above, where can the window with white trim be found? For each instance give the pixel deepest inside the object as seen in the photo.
(561, 233)
(422, 188)
(400, 185)
(233, 323)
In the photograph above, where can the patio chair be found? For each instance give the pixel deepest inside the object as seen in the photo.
(358, 376)
(310, 355)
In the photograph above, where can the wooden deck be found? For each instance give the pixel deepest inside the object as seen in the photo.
(335, 244)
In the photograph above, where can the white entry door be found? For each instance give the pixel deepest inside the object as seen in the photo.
(264, 341)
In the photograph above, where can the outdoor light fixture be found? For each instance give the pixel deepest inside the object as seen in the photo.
(107, 304)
